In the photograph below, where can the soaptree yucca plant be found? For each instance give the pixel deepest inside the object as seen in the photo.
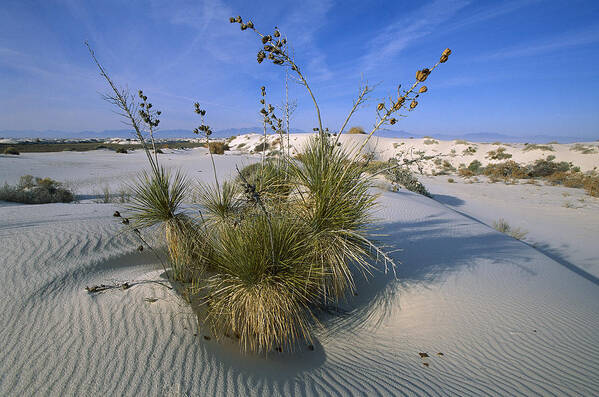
(333, 195)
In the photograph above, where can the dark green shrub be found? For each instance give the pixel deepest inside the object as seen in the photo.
(498, 154)
(356, 130)
(216, 147)
(121, 150)
(11, 150)
(32, 190)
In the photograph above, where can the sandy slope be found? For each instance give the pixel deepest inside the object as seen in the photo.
(508, 319)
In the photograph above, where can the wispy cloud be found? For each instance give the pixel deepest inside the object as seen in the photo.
(403, 33)
(556, 43)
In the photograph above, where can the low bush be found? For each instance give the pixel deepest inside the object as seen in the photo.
(356, 130)
(498, 154)
(217, 147)
(401, 175)
(32, 190)
(430, 142)
(11, 150)
(121, 150)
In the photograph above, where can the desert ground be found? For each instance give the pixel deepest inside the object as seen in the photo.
(494, 315)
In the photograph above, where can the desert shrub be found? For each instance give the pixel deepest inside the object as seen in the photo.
(460, 142)
(261, 147)
(242, 144)
(356, 130)
(545, 167)
(11, 150)
(403, 176)
(101, 147)
(32, 190)
(498, 154)
(505, 170)
(475, 166)
(465, 172)
(159, 151)
(121, 150)
(430, 141)
(502, 226)
(450, 180)
(532, 146)
(469, 151)
(269, 178)
(217, 147)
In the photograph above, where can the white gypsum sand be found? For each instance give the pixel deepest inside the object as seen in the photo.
(508, 319)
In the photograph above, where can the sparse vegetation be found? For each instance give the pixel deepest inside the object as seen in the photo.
(499, 154)
(469, 151)
(261, 147)
(502, 226)
(121, 150)
(430, 142)
(32, 190)
(532, 146)
(583, 149)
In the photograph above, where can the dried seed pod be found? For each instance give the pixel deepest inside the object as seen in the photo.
(268, 48)
(159, 113)
(260, 57)
(421, 75)
(393, 121)
(262, 101)
(413, 104)
(203, 112)
(250, 25)
(266, 39)
(271, 56)
(140, 248)
(238, 19)
(423, 89)
(277, 33)
(232, 20)
(116, 214)
(243, 26)
(380, 106)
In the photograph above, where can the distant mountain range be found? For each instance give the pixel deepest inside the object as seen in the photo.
(173, 134)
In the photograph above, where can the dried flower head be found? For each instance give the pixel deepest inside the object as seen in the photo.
(423, 89)
(238, 19)
(232, 20)
(413, 104)
(380, 106)
(266, 39)
(393, 121)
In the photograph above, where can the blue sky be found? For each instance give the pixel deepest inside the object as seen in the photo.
(518, 67)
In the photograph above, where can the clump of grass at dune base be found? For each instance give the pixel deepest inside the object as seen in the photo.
(502, 226)
(263, 253)
(557, 173)
(32, 190)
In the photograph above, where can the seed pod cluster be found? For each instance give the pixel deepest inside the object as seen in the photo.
(421, 75)
(274, 46)
(147, 115)
(203, 128)
(445, 55)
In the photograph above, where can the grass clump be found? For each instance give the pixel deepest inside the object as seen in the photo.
(502, 226)
(11, 150)
(430, 142)
(32, 190)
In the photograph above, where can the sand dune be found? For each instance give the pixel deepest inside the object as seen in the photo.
(508, 319)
